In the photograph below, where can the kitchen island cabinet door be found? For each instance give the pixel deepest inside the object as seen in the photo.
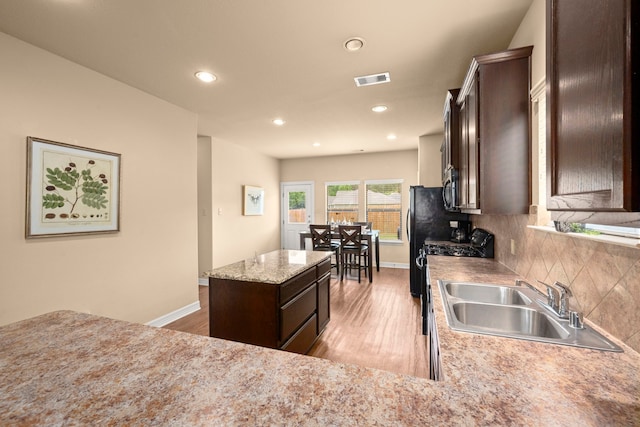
(323, 301)
(592, 66)
(244, 312)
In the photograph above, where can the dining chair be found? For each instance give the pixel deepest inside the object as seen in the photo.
(353, 254)
(366, 224)
(321, 241)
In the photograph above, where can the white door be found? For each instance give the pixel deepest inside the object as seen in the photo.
(297, 212)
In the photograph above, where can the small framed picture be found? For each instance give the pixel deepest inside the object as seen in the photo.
(253, 200)
(71, 190)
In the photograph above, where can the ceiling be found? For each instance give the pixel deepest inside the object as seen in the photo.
(280, 58)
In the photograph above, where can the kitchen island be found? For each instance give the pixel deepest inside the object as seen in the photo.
(73, 368)
(279, 299)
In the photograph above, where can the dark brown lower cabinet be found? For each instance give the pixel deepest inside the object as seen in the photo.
(323, 301)
(288, 316)
(304, 337)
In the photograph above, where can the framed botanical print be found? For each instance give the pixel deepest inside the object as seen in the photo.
(71, 190)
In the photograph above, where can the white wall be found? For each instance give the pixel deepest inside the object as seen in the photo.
(235, 236)
(430, 169)
(532, 32)
(205, 205)
(146, 270)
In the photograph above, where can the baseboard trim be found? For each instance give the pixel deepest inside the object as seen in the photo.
(175, 315)
(394, 265)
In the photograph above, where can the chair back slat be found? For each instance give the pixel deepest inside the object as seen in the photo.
(320, 236)
(350, 236)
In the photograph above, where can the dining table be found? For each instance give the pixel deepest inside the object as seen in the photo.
(372, 238)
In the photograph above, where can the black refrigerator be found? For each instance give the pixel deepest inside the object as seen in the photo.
(427, 219)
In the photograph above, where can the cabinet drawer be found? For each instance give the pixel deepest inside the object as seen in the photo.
(296, 311)
(324, 267)
(302, 340)
(290, 288)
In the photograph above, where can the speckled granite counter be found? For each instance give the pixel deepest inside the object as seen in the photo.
(78, 369)
(67, 368)
(273, 267)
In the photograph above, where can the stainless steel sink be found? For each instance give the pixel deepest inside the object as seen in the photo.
(512, 312)
(487, 293)
(508, 319)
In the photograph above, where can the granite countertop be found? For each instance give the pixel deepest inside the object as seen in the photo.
(68, 368)
(72, 368)
(533, 383)
(273, 267)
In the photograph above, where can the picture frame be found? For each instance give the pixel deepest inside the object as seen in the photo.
(71, 190)
(253, 201)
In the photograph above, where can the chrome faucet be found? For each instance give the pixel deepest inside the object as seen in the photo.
(557, 302)
(558, 298)
(520, 282)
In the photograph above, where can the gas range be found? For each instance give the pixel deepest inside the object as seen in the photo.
(451, 249)
(481, 245)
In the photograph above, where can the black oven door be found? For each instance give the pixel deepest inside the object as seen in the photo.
(450, 190)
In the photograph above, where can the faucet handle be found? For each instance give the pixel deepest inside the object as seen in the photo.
(552, 300)
(552, 291)
(558, 298)
(564, 289)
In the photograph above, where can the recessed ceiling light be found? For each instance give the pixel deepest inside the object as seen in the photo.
(379, 108)
(278, 122)
(391, 137)
(316, 144)
(354, 44)
(205, 76)
(372, 79)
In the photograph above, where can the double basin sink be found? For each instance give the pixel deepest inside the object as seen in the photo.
(513, 312)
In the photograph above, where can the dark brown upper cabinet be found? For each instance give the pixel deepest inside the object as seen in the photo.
(495, 134)
(593, 162)
(451, 143)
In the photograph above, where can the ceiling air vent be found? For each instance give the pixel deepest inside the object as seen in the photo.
(373, 79)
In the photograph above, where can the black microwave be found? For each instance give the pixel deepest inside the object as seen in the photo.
(450, 190)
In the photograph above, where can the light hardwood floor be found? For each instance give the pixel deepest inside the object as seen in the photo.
(374, 325)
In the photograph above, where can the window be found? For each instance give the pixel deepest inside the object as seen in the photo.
(633, 233)
(384, 208)
(297, 207)
(383, 205)
(342, 201)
